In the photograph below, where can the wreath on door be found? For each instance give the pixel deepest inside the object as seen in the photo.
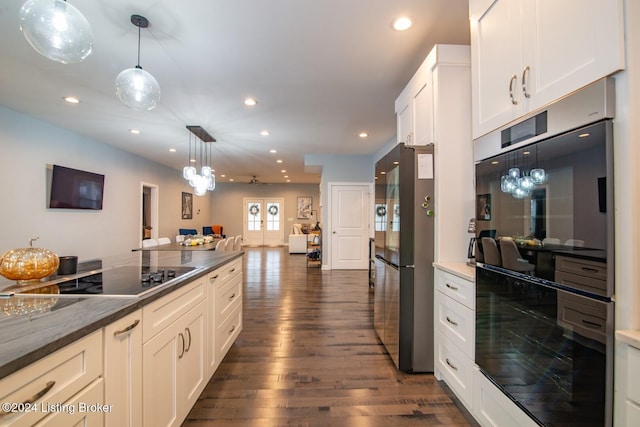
(273, 210)
(381, 211)
(254, 209)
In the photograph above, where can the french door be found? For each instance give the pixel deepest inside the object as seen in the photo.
(263, 222)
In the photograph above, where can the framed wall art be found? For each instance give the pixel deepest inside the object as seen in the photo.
(483, 207)
(304, 207)
(187, 205)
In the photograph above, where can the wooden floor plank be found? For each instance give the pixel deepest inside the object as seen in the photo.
(308, 356)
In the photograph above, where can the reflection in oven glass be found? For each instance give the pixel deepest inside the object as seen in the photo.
(531, 343)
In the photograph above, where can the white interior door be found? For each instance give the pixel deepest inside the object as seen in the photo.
(350, 213)
(263, 222)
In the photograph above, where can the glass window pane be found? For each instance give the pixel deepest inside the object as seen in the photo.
(253, 216)
(273, 216)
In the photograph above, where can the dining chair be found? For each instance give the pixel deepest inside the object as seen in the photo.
(490, 251)
(148, 243)
(551, 241)
(220, 246)
(576, 243)
(164, 241)
(228, 244)
(511, 258)
(237, 243)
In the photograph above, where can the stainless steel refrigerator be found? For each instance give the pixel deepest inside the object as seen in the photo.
(404, 246)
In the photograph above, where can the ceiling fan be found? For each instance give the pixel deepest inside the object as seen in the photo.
(255, 180)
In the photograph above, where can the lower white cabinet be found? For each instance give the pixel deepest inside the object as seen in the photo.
(173, 369)
(87, 411)
(51, 388)
(123, 371)
(454, 319)
(492, 408)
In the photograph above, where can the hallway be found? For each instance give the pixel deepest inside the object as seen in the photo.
(308, 356)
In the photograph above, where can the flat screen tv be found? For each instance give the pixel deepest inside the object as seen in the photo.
(75, 189)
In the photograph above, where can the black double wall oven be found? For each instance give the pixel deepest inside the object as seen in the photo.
(544, 321)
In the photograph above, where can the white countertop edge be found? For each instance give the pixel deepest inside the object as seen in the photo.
(460, 269)
(629, 336)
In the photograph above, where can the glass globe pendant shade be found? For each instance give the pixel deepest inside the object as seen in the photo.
(526, 183)
(193, 181)
(538, 175)
(188, 172)
(520, 193)
(201, 185)
(514, 173)
(137, 89)
(508, 184)
(212, 182)
(206, 171)
(56, 30)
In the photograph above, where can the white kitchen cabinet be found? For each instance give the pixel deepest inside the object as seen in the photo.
(123, 371)
(528, 53)
(87, 412)
(173, 369)
(56, 379)
(224, 286)
(627, 389)
(454, 319)
(414, 108)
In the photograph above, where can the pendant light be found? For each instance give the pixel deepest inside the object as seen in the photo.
(56, 30)
(206, 179)
(189, 171)
(135, 87)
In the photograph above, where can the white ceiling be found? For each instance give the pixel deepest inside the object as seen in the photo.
(322, 72)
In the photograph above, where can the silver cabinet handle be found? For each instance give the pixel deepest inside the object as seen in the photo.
(453, 288)
(127, 329)
(454, 367)
(514, 101)
(525, 75)
(188, 331)
(233, 328)
(454, 323)
(213, 279)
(232, 296)
(232, 270)
(32, 399)
(182, 352)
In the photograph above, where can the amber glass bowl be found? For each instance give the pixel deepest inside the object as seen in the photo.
(28, 264)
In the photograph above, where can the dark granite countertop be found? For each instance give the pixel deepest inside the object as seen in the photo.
(58, 320)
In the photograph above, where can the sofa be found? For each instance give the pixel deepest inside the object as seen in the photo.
(297, 240)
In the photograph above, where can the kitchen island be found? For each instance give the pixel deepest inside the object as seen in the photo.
(37, 328)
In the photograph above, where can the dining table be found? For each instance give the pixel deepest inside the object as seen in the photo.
(178, 246)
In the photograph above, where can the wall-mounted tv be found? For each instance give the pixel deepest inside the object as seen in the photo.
(75, 189)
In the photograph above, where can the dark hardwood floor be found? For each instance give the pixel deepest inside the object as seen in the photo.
(308, 356)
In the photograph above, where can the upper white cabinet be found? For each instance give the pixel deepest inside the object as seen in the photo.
(414, 108)
(528, 53)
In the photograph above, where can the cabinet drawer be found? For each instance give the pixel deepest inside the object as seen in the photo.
(226, 272)
(633, 373)
(582, 267)
(164, 311)
(55, 378)
(85, 415)
(228, 297)
(228, 331)
(589, 284)
(456, 369)
(583, 316)
(456, 322)
(457, 288)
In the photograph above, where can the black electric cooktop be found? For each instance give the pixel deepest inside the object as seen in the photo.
(124, 280)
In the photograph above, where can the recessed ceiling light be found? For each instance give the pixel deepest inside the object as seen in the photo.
(286, 176)
(383, 173)
(231, 179)
(363, 135)
(265, 133)
(288, 180)
(192, 160)
(134, 131)
(71, 99)
(250, 102)
(273, 151)
(283, 171)
(584, 135)
(223, 176)
(401, 24)
(173, 150)
(279, 161)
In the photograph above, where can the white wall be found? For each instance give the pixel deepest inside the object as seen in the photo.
(28, 146)
(226, 203)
